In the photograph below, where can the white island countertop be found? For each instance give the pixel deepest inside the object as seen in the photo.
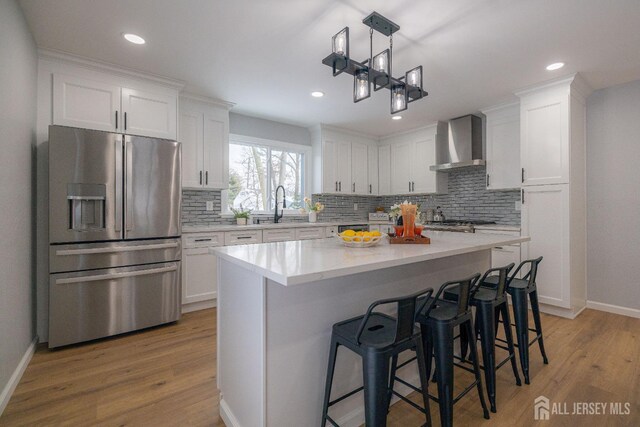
(297, 262)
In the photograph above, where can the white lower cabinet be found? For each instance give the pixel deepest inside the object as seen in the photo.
(504, 255)
(309, 233)
(277, 235)
(199, 267)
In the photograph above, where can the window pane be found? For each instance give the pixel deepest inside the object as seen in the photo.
(248, 177)
(287, 169)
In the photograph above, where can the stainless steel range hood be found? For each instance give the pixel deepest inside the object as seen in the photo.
(464, 145)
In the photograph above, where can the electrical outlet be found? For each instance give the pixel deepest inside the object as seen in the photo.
(518, 205)
(210, 205)
(355, 206)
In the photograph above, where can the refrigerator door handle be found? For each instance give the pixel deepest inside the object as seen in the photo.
(115, 276)
(128, 217)
(119, 189)
(116, 249)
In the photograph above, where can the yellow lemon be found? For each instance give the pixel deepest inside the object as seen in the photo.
(366, 236)
(376, 233)
(349, 233)
(357, 239)
(360, 233)
(347, 238)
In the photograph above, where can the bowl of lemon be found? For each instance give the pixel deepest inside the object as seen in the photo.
(359, 239)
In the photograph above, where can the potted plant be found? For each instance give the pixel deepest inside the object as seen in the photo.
(241, 215)
(312, 208)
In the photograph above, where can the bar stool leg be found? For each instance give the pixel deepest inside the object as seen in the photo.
(476, 369)
(506, 322)
(535, 308)
(487, 341)
(521, 315)
(329, 381)
(424, 380)
(394, 368)
(443, 346)
(376, 382)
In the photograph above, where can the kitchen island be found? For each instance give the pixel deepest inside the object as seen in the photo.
(277, 303)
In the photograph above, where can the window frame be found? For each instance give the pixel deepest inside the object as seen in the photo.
(271, 144)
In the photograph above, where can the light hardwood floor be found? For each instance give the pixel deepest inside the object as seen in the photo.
(166, 377)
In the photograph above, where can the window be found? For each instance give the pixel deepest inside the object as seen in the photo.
(257, 167)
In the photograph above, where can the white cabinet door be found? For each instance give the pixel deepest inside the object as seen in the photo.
(401, 173)
(359, 167)
(505, 255)
(424, 179)
(545, 218)
(149, 114)
(191, 138)
(84, 103)
(372, 169)
(544, 121)
(199, 275)
(216, 152)
(342, 163)
(503, 148)
(329, 167)
(278, 235)
(309, 233)
(384, 170)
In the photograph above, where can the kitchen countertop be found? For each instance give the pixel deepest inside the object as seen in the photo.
(498, 227)
(234, 227)
(297, 262)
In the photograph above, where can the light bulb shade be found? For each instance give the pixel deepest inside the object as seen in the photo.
(381, 62)
(414, 77)
(340, 42)
(398, 98)
(361, 85)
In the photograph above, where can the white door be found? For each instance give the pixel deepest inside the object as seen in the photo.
(191, 125)
(424, 180)
(503, 148)
(329, 167)
(545, 218)
(372, 169)
(384, 170)
(216, 152)
(401, 173)
(544, 157)
(84, 103)
(343, 167)
(359, 169)
(149, 114)
(200, 274)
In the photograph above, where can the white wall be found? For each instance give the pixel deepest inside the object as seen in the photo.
(18, 65)
(613, 195)
(267, 129)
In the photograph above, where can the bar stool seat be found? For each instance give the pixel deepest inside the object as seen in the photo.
(515, 282)
(441, 310)
(379, 331)
(482, 294)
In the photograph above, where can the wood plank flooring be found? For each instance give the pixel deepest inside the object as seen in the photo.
(166, 376)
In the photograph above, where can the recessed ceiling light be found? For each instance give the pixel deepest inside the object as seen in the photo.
(317, 94)
(396, 117)
(133, 38)
(555, 66)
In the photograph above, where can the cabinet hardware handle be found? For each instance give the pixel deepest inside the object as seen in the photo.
(354, 187)
(336, 185)
(116, 119)
(125, 120)
(244, 237)
(522, 174)
(203, 240)
(409, 186)
(339, 185)
(522, 196)
(370, 189)
(498, 247)
(200, 177)
(206, 178)
(487, 180)
(413, 186)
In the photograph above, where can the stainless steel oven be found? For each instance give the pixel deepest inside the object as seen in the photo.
(354, 227)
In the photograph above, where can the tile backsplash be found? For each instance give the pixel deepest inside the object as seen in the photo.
(467, 198)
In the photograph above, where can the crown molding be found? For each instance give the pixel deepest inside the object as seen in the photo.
(97, 65)
(574, 82)
(323, 126)
(207, 100)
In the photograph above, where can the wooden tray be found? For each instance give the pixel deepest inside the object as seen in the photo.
(418, 240)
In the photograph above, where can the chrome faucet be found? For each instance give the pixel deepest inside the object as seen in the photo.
(276, 217)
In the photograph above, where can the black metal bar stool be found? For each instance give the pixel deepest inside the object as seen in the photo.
(437, 322)
(490, 301)
(377, 337)
(520, 289)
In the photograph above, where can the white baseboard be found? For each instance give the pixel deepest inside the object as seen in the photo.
(227, 416)
(201, 305)
(10, 387)
(615, 309)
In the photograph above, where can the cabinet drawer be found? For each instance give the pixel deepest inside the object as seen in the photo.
(331, 231)
(203, 240)
(278, 235)
(242, 237)
(309, 233)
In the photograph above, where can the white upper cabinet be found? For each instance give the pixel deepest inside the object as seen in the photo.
(544, 130)
(149, 114)
(359, 168)
(204, 134)
(372, 160)
(107, 106)
(343, 163)
(411, 155)
(84, 103)
(503, 147)
(384, 170)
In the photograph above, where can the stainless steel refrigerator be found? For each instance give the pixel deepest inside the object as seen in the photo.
(114, 233)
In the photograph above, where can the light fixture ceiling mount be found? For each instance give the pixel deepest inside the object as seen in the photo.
(376, 70)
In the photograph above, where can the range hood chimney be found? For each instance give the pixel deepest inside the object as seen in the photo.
(464, 145)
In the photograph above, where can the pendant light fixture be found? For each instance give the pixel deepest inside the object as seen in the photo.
(375, 70)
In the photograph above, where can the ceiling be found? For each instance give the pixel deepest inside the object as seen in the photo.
(265, 56)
